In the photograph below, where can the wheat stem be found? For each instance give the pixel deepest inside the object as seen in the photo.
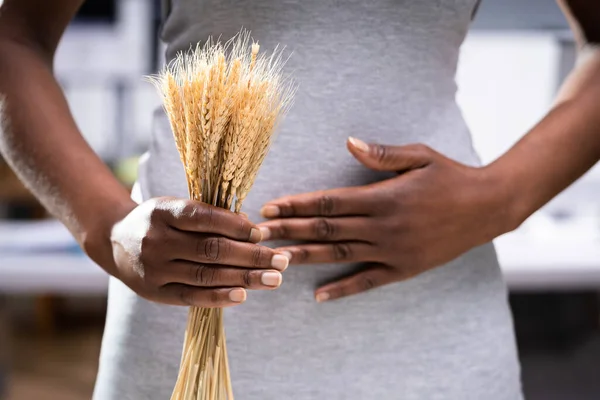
(223, 104)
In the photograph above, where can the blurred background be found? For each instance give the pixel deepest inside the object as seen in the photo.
(52, 298)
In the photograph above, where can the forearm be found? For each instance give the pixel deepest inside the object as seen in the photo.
(561, 148)
(41, 142)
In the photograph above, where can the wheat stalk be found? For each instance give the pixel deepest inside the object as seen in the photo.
(224, 102)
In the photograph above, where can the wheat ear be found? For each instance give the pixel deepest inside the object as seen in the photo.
(223, 103)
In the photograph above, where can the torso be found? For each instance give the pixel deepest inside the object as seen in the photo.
(383, 71)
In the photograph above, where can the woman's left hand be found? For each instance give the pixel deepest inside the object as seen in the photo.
(434, 210)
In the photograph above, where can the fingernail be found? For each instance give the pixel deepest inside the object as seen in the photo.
(272, 279)
(270, 211)
(256, 235)
(359, 144)
(265, 233)
(280, 262)
(321, 297)
(237, 295)
(288, 254)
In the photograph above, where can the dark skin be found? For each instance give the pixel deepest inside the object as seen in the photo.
(172, 251)
(387, 225)
(183, 252)
(436, 208)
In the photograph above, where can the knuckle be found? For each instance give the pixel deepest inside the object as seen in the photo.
(367, 282)
(156, 214)
(326, 205)
(341, 291)
(422, 148)
(149, 249)
(143, 266)
(324, 229)
(186, 296)
(380, 153)
(243, 229)
(385, 205)
(204, 216)
(210, 248)
(302, 254)
(155, 247)
(392, 228)
(168, 240)
(205, 276)
(215, 297)
(341, 251)
(288, 210)
(247, 278)
(147, 245)
(151, 276)
(258, 255)
(394, 201)
(281, 230)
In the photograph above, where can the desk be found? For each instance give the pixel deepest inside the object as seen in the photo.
(530, 265)
(534, 258)
(41, 257)
(51, 273)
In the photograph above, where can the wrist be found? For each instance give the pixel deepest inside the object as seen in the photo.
(505, 199)
(96, 236)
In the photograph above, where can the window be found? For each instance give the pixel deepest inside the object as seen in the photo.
(103, 11)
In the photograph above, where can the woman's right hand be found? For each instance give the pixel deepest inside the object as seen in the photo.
(184, 252)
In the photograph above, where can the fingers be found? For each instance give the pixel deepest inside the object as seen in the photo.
(368, 279)
(340, 252)
(183, 295)
(194, 216)
(317, 229)
(205, 249)
(210, 275)
(328, 203)
(390, 158)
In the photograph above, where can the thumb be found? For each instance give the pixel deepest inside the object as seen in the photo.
(390, 158)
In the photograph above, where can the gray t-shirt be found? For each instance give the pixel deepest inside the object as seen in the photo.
(383, 71)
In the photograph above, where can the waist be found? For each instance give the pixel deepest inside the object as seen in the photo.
(309, 152)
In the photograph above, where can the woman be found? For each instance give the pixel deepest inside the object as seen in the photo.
(406, 221)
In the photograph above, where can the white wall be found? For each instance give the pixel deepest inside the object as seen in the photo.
(105, 50)
(507, 84)
(92, 59)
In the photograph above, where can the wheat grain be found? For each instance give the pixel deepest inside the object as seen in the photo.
(224, 103)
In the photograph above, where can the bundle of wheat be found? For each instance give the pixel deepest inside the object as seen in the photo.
(224, 102)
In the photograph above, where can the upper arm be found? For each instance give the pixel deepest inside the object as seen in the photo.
(584, 18)
(37, 23)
